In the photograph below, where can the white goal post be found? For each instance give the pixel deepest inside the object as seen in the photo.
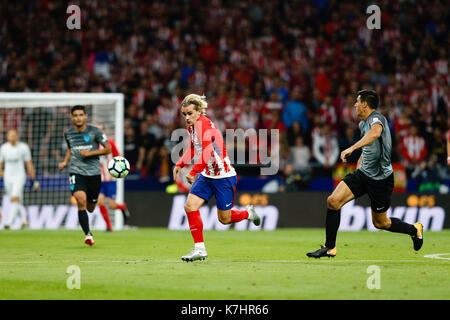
(40, 119)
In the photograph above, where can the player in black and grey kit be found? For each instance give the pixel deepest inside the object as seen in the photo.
(85, 172)
(374, 175)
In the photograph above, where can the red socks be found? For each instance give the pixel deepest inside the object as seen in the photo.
(238, 215)
(196, 225)
(105, 215)
(121, 206)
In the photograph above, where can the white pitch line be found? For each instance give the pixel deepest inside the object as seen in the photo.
(22, 262)
(331, 260)
(334, 260)
(248, 261)
(437, 256)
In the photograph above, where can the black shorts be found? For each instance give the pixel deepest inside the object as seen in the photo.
(379, 191)
(89, 184)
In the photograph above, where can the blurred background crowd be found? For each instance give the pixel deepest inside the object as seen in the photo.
(289, 65)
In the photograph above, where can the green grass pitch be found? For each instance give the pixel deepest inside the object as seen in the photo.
(145, 264)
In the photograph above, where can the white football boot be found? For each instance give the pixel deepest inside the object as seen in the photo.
(252, 215)
(195, 254)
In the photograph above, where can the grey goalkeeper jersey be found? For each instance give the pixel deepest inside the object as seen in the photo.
(89, 139)
(376, 157)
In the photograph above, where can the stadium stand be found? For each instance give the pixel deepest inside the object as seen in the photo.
(291, 65)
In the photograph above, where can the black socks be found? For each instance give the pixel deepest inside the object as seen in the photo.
(84, 221)
(399, 226)
(331, 227)
(333, 220)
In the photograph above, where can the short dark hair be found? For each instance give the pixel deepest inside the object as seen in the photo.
(369, 96)
(77, 107)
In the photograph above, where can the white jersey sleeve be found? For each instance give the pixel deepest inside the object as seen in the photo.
(25, 151)
(14, 158)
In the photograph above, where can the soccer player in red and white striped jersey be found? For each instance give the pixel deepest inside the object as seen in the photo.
(215, 174)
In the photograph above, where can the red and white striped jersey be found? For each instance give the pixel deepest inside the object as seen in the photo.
(207, 148)
(104, 160)
(413, 148)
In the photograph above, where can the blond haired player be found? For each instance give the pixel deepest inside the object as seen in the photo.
(212, 174)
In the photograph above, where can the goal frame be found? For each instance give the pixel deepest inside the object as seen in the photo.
(54, 99)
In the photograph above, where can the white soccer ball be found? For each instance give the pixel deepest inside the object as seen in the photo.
(119, 167)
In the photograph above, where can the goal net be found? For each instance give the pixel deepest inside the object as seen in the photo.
(40, 120)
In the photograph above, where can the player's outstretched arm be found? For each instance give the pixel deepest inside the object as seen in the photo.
(184, 160)
(176, 172)
(63, 164)
(373, 134)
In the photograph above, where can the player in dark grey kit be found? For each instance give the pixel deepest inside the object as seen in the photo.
(85, 172)
(374, 176)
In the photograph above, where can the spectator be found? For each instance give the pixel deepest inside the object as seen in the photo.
(261, 54)
(131, 147)
(295, 131)
(300, 155)
(295, 111)
(438, 149)
(413, 148)
(325, 148)
(150, 101)
(348, 115)
(428, 176)
(248, 119)
(145, 143)
(349, 139)
(166, 116)
(323, 83)
(328, 112)
(297, 171)
(315, 102)
(274, 122)
(157, 157)
(279, 87)
(273, 104)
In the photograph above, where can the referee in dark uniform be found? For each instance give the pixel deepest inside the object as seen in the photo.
(83, 153)
(374, 175)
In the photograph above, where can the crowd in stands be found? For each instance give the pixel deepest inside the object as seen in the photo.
(289, 65)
